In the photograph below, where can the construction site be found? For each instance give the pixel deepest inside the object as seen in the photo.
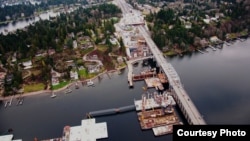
(156, 111)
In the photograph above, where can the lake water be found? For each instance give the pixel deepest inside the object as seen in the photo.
(217, 82)
(11, 27)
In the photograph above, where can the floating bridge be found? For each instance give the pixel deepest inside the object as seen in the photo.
(186, 105)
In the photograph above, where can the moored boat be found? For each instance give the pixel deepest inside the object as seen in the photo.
(53, 95)
(68, 90)
(90, 83)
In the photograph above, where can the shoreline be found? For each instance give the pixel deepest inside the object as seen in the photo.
(2, 98)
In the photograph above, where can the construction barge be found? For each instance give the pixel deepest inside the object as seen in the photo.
(156, 112)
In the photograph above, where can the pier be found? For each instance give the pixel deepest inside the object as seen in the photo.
(214, 49)
(200, 51)
(9, 102)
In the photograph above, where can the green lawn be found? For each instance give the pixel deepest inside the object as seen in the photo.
(170, 53)
(34, 87)
(87, 50)
(102, 48)
(60, 85)
(83, 73)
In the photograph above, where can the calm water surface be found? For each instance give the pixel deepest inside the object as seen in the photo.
(10, 27)
(217, 82)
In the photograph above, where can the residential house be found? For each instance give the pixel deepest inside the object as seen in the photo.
(27, 64)
(41, 53)
(94, 68)
(120, 59)
(51, 51)
(14, 58)
(9, 78)
(74, 75)
(214, 39)
(204, 43)
(70, 63)
(93, 57)
(2, 77)
(55, 77)
(74, 44)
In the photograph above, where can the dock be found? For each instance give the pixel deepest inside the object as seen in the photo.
(227, 43)
(200, 51)
(20, 100)
(130, 74)
(9, 102)
(165, 129)
(162, 130)
(214, 49)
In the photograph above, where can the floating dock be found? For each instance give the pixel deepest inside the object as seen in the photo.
(214, 49)
(89, 130)
(162, 130)
(200, 51)
(111, 111)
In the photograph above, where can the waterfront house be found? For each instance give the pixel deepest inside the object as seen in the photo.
(2, 77)
(74, 75)
(93, 68)
(41, 53)
(120, 60)
(9, 78)
(204, 42)
(13, 58)
(55, 77)
(214, 39)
